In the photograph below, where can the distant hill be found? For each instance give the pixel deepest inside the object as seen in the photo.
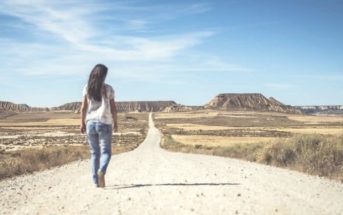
(225, 101)
(143, 106)
(134, 106)
(322, 109)
(129, 106)
(9, 106)
(71, 106)
(249, 101)
(138, 106)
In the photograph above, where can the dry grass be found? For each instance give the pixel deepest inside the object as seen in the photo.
(31, 159)
(36, 141)
(49, 122)
(311, 144)
(192, 127)
(317, 130)
(214, 141)
(232, 121)
(300, 130)
(186, 115)
(315, 119)
(314, 154)
(211, 113)
(39, 128)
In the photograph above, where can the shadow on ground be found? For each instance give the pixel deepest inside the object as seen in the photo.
(126, 186)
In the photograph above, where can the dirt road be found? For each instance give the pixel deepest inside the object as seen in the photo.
(150, 180)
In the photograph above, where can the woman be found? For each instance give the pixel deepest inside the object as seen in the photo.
(98, 115)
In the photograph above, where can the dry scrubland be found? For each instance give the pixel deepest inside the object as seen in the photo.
(311, 144)
(36, 141)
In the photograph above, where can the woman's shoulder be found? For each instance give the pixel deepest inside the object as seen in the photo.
(109, 87)
(84, 90)
(109, 91)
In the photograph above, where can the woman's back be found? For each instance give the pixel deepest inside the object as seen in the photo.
(100, 110)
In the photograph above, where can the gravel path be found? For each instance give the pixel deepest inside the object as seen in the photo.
(150, 180)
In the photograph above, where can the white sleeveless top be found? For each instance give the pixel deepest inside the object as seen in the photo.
(100, 110)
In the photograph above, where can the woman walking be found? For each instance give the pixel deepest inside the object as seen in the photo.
(98, 118)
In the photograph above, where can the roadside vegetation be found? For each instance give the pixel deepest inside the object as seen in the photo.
(314, 154)
(14, 163)
(32, 142)
(310, 144)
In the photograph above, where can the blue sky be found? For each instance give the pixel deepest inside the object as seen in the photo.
(187, 51)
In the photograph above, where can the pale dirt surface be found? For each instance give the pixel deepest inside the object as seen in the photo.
(150, 180)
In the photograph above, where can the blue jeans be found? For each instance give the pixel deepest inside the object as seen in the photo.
(99, 139)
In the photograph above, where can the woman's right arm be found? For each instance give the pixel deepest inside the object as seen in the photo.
(114, 115)
(84, 107)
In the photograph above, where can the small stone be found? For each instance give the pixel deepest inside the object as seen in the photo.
(238, 194)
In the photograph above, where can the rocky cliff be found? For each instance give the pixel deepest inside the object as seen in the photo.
(143, 106)
(227, 101)
(134, 106)
(249, 101)
(138, 106)
(71, 106)
(322, 109)
(181, 108)
(9, 106)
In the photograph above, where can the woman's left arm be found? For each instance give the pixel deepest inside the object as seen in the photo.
(84, 107)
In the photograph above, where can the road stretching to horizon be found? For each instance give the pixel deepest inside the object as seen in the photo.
(151, 180)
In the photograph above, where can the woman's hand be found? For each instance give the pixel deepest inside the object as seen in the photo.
(83, 128)
(115, 126)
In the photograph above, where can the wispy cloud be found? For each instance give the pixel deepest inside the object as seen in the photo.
(65, 23)
(281, 86)
(73, 36)
(72, 25)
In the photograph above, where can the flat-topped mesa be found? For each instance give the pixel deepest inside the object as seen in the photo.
(71, 106)
(143, 106)
(322, 109)
(125, 106)
(9, 106)
(248, 101)
(122, 106)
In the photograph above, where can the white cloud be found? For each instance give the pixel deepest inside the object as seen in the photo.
(71, 25)
(80, 41)
(279, 85)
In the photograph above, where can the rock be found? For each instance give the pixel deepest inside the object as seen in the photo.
(322, 109)
(12, 107)
(250, 102)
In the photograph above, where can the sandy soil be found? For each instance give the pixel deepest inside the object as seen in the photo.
(150, 180)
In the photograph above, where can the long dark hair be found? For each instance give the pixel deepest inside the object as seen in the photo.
(96, 81)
